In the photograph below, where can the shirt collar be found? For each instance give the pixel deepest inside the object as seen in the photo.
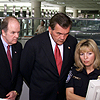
(95, 71)
(52, 41)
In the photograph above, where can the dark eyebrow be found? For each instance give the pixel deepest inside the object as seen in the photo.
(15, 32)
(62, 33)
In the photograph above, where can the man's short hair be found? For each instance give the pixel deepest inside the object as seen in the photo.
(60, 18)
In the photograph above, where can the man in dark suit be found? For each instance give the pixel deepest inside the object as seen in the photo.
(38, 63)
(10, 78)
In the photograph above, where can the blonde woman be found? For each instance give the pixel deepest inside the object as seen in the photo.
(87, 67)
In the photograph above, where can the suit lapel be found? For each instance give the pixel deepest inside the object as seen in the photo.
(66, 55)
(3, 55)
(14, 58)
(46, 44)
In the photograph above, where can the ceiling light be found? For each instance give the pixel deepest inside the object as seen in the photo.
(61, 3)
(49, 0)
(98, 2)
(3, 0)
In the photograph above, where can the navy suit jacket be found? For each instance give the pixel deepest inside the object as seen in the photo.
(39, 69)
(8, 81)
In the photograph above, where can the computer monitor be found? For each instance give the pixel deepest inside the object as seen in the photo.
(93, 92)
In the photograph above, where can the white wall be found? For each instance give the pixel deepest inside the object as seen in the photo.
(25, 92)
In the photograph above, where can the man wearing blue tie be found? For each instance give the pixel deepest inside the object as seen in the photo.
(47, 59)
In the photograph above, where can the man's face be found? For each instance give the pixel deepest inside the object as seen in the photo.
(59, 34)
(12, 34)
(42, 23)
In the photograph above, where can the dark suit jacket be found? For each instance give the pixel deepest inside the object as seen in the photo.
(39, 69)
(8, 81)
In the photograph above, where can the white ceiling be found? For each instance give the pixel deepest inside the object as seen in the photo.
(70, 4)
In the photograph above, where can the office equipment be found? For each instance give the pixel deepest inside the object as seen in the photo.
(93, 92)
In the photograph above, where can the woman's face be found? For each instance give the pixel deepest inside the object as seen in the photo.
(87, 57)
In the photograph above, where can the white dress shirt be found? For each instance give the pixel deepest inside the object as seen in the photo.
(54, 44)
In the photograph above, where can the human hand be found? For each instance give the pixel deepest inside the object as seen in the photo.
(11, 95)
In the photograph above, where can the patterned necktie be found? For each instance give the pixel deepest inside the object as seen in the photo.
(58, 59)
(9, 57)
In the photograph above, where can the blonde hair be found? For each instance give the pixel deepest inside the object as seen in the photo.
(81, 46)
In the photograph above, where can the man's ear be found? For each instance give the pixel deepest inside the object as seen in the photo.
(49, 28)
(3, 33)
